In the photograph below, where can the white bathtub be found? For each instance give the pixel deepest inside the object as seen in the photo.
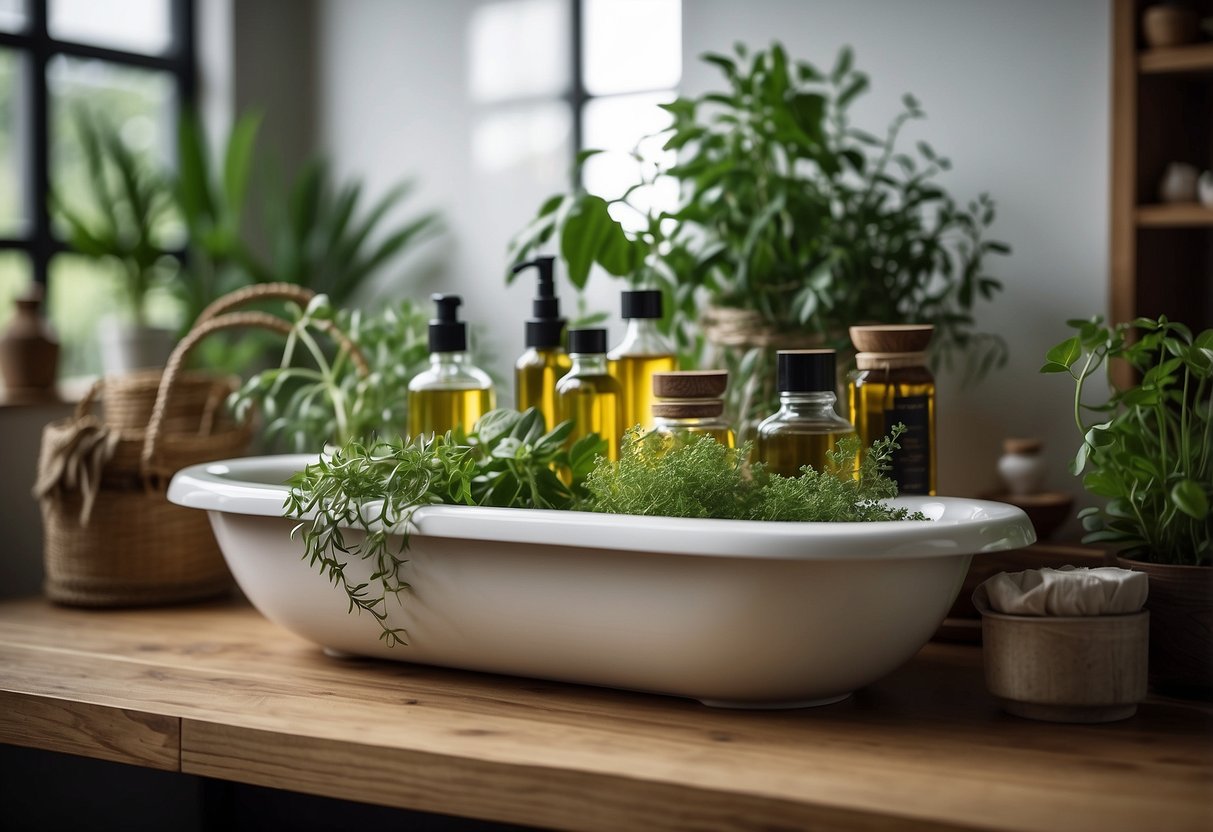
(734, 613)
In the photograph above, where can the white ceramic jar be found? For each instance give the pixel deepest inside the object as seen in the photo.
(1021, 466)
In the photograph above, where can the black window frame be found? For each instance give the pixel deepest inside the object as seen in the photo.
(37, 48)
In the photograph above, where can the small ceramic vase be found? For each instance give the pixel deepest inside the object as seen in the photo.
(29, 353)
(1021, 466)
(1169, 25)
(1178, 183)
(1204, 187)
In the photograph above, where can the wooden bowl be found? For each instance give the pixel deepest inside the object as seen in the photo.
(1066, 669)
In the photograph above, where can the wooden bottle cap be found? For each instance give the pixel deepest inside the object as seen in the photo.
(1017, 445)
(892, 337)
(698, 384)
(688, 408)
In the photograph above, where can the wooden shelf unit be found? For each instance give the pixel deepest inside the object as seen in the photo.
(1174, 216)
(1162, 112)
(1195, 58)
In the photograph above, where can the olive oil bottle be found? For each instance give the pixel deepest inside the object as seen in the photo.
(642, 352)
(892, 384)
(453, 392)
(805, 428)
(545, 362)
(689, 404)
(588, 394)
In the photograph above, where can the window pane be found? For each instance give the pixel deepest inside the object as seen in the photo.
(632, 45)
(131, 25)
(84, 291)
(16, 276)
(14, 213)
(518, 49)
(517, 136)
(619, 125)
(138, 103)
(12, 15)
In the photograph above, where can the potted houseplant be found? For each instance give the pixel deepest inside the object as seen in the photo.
(1148, 450)
(791, 222)
(130, 226)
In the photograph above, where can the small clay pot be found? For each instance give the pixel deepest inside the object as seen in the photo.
(1066, 669)
(1169, 25)
(1181, 635)
(29, 353)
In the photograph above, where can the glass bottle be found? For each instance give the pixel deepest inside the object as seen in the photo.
(588, 394)
(453, 392)
(691, 403)
(642, 352)
(545, 362)
(892, 384)
(806, 427)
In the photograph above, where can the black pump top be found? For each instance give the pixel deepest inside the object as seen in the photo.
(587, 341)
(642, 303)
(447, 332)
(805, 371)
(544, 328)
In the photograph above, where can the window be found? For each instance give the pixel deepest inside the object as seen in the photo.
(131, 59)
(572, 74)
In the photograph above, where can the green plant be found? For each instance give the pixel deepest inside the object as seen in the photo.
(320, 239)
(131, 216)
(790, 212)
(703, 478)
(327, 401)
(1151, 452)
(374, 489)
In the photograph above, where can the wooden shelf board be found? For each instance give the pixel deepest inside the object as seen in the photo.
(1174, 216)
(1177, 59)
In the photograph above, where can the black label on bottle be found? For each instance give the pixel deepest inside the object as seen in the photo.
(911, 464)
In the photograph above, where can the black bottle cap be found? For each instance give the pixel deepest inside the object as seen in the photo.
(447, 332)
(642, 303)
(587, 341)
(805, 371)
(544, 328)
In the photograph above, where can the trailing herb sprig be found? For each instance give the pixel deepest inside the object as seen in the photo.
(705, 479)
(358, 502)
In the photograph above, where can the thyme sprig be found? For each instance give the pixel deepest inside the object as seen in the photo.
(358, 502)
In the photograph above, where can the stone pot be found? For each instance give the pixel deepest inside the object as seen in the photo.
(1169, 25)
(29, 353)
(1181, 632)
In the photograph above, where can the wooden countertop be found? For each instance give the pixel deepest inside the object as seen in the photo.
(218, 691)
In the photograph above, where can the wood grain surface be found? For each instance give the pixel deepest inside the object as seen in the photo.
(925, 748)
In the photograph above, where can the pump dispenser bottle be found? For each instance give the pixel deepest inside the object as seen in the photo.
(588, 394)
(642, 352)
(806, 427)
(545, 362)
(453, 392)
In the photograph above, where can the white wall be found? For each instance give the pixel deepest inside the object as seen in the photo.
(1017, 96)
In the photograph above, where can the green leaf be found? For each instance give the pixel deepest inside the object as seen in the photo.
(1054, 367)
(1065, 353)
(842, 65)
(1190, 498)
(238, 161)
(591, 236)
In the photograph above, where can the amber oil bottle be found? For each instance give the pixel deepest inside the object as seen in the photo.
(545, 362)
(688, 404)
(588, 394)
(453, 392)
(642, 352)
(892, 384)
(806, 427)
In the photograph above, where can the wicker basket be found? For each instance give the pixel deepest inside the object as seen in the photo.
(111, 537)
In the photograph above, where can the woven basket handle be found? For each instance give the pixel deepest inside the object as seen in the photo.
(229, 320)
(256, 292)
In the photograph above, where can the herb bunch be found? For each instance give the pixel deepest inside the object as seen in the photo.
(1150, 450)
(362, 498)
(702, 478)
